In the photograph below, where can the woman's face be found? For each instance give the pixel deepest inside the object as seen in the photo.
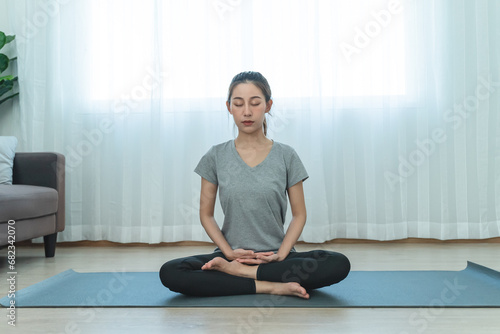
(248, 107)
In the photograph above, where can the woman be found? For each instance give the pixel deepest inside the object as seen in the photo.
(253, 175)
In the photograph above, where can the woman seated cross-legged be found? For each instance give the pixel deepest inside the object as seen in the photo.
(255, 177)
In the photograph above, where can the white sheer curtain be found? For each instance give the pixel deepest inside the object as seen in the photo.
(392, 106)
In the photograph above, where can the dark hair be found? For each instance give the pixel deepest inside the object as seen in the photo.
(254, 78)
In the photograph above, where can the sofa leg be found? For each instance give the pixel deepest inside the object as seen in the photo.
(50, 244)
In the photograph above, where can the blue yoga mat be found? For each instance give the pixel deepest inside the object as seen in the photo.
(475, 286)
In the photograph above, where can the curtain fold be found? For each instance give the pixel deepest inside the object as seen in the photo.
(392, 106)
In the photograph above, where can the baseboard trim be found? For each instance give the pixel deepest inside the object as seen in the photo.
(105, 243)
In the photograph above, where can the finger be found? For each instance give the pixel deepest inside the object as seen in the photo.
(246, 261)
(265, 253)
(248, 253)
(247, 257)
(269, 257)
(261, 256)
(249, 261)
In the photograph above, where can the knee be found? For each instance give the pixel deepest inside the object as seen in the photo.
(337, 265)
(167, 274)
(172, 275)
(342, 265)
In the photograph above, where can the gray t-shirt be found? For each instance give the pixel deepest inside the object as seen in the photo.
(253, 199)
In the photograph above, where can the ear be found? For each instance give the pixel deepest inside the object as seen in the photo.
(269, 104)
(228, 106)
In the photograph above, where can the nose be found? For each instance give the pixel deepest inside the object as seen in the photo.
(247, 112)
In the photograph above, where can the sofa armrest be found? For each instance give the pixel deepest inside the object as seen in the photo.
(43, 169)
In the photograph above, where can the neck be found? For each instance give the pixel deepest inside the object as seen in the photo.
(251, 140)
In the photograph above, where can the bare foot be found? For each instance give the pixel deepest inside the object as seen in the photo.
(232, 268)
(285, 289)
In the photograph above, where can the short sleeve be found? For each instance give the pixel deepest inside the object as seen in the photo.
(207, 167)
(296, 171)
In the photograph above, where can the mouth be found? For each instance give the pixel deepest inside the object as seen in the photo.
(248, 123)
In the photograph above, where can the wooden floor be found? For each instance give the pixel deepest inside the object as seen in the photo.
(33, 267)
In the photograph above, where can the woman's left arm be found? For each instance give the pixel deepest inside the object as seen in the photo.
(299, 215)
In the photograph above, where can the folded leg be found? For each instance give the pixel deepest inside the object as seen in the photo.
(312, 270)
(185, 276)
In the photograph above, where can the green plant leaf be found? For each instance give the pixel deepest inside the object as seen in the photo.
(7, 77)
(3, 39)
(9, 97)
(6, 82)
(4, 62)
(5, 86)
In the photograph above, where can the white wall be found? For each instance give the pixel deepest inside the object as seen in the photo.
(4, 18)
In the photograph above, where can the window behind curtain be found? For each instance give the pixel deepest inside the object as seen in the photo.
(357, 47)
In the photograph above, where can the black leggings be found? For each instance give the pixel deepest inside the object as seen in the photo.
(312, 270)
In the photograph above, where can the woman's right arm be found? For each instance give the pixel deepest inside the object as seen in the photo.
(207, 206)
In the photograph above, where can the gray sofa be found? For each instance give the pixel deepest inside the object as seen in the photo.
(36, 199)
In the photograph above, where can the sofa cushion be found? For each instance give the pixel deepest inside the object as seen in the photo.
(18, 202)
(7, 153)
